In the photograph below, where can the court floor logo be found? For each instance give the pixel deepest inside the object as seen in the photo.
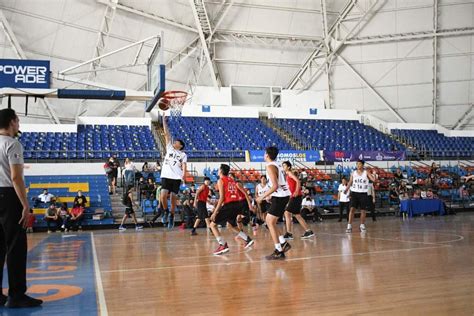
(61, 273)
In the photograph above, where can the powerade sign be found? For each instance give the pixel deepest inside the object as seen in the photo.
(283, 155)
(18, 73)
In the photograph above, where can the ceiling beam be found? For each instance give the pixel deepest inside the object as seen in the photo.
(271, 7)
(410, 36)
(464, 119)
(103, 34)
(309, 60)
(434, 113)
(155, 17)
(21, 55)
(266, 39)
(375, 92)
(339, 43)
(204, 27)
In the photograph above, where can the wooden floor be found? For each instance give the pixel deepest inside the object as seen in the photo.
(422, 266)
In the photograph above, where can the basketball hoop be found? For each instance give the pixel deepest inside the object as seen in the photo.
(176, 101)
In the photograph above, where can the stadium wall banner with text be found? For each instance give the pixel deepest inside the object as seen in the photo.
(346, 156)
(291, 155)
(18, 73)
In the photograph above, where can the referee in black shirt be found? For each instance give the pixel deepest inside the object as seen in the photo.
(14, 213)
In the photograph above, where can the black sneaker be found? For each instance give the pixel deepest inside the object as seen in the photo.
(194, 233)
(285, 246)
(24, 301)
(276, 255)
(288, 236)
(248, 243)
(3, 299)
(307, 234)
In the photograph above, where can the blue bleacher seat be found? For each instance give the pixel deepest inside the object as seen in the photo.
(95, 142)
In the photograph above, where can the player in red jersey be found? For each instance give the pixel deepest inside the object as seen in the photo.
(226, 210)
(294, 205)
(202, 195)
(246, 204)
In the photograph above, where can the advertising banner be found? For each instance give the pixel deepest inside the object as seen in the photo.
(19, 73)
(291, 155)
(347, 156)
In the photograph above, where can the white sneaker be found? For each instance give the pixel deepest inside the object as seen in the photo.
(139, 228)
(121, 228)
(348, 230)
(362, 228)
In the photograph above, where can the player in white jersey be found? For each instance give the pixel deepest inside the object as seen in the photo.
(263, 206)
(173, 171)
(359, 185)
(280, 195)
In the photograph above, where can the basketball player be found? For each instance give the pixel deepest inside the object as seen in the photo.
(202, 195)
(226, 210)
(261, 189)
(359, 185)
(280, 195)
(245, 202)
(172, 172)
(294, 205)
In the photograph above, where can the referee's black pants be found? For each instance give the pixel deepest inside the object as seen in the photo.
(13, 243)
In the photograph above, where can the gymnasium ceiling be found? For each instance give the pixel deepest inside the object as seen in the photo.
(253, 42)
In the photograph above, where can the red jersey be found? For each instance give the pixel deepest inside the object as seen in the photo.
(230, 190)
(292, 185)
(202, 197)
(241, 195)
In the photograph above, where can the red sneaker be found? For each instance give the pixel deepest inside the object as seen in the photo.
(221, 249)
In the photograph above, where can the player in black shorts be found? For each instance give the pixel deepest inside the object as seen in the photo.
(200, 205)
(127, 201)
(294, 205)
(173, 172)
(226, 210)
(280, 197)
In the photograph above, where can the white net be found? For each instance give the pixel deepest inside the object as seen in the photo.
(176, 110)
(176, 100)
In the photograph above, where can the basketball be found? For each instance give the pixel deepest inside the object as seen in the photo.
(164, 104)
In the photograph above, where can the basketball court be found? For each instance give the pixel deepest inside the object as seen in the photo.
(330, 83)
(398, 267)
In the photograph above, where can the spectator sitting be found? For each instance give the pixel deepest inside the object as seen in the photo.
(145, 167)
(403, 196)
(463, 192)
(429, 194)
(45, 197)
(51, 216)
(77, 214)
(417, 194)
(80, 199)
(393, 194)
(398, 175)
(64, 215)
(309, 211)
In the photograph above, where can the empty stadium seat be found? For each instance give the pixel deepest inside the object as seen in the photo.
(333, 135)
(436, 144)
(224, 137)
(95, 142)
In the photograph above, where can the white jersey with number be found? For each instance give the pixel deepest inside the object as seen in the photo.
(262, 189)
(360, 182)
(282, 190)
(173, 163)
